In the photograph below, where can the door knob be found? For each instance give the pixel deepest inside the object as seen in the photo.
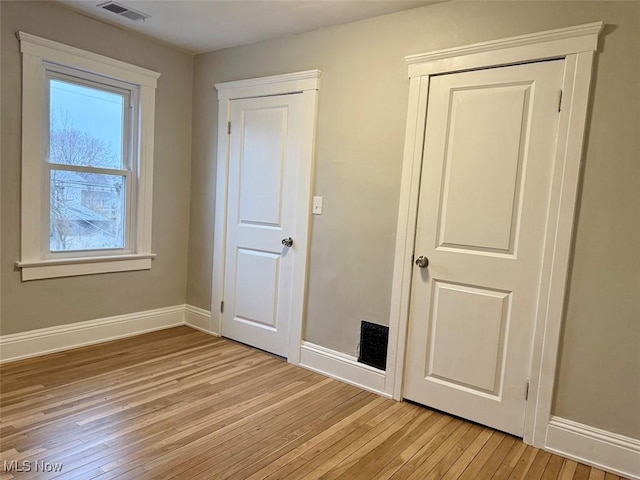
(287, 242)
(422, 261)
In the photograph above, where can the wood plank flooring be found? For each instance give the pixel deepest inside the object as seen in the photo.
(181, 404)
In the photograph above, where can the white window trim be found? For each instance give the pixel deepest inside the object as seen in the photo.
(36, 54)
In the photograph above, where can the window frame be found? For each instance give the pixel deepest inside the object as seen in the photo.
(42, 60)
(128, 169)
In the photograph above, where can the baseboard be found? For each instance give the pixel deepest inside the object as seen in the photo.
(54, 339)
(199, 318)
(599, 448)
(342, 367)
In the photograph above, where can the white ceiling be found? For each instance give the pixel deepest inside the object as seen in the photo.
(199, 26)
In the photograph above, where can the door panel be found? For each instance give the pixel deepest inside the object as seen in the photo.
(484, 194)
(263, 169)
(475, 321)
(262, 161)
(256, 288)
(482, 167)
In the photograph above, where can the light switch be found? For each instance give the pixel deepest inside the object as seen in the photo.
(317, 205)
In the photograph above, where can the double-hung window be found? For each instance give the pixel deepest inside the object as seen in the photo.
(87, 162)
(88, 170)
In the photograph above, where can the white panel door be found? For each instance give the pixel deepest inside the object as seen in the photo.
(484, 194)
(264, 151)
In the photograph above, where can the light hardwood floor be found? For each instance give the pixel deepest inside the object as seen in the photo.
(181, 404)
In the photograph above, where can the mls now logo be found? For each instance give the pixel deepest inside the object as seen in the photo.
(16, 466)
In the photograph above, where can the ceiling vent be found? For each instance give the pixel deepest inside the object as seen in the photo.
(123, 11)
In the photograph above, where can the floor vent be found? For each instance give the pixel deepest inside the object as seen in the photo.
(374, 339)
(123, 11)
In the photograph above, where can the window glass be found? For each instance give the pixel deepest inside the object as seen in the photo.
(87, 211)
(86, 126)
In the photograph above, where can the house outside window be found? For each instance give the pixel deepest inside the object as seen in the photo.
(87, 162)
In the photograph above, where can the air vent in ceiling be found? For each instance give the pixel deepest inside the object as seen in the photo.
(123, 11)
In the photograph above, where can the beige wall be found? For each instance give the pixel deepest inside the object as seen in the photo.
(362, 114)
(46, 303)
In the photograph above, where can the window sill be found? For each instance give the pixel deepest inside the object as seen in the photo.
(71, 267)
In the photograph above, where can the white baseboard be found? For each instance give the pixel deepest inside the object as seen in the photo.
(54, 339)
(342, 367)
(199, 318)
(599, 448)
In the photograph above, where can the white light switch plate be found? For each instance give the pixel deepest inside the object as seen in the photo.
(317, 206)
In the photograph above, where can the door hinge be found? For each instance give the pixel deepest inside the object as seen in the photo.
(526, 390)
(560, 102)
(228, 128)
(221, 307)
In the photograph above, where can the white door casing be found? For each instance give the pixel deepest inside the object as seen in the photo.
(263, 195)
(484, 193)
(576, 47)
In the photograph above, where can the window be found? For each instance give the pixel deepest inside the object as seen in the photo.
(88, 167)
(87, 162)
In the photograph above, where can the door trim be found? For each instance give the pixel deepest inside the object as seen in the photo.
(307, 84)
(576, 46)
